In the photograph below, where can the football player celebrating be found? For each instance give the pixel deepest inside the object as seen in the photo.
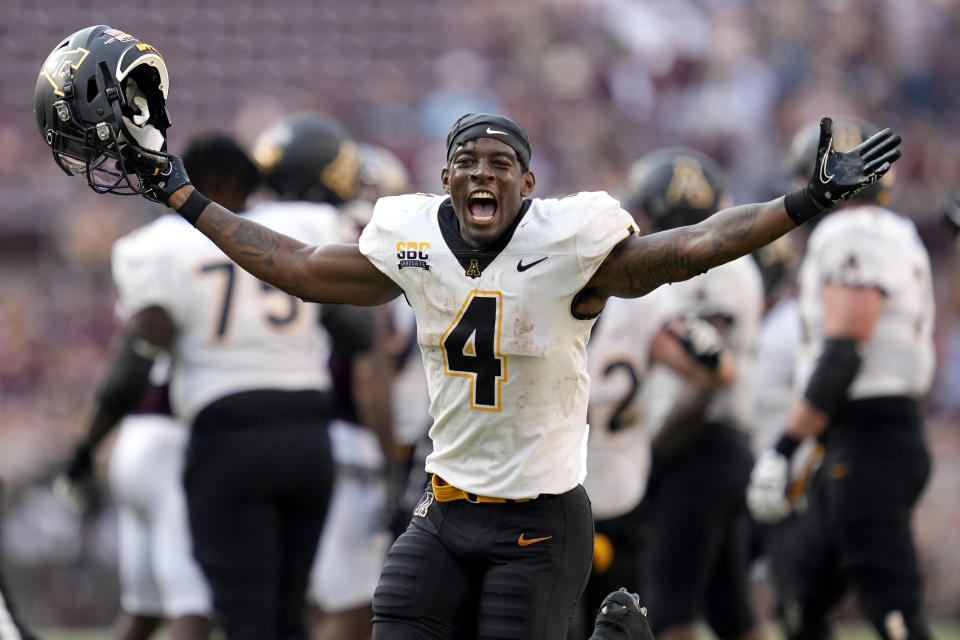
(505, 288)
(866, 302)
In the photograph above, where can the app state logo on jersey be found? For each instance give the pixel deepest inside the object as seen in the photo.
(413, 255)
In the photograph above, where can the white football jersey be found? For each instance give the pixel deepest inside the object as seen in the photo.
(618, 450)
(734, 291)
(504, 356)
(234, 332)
(870, 246)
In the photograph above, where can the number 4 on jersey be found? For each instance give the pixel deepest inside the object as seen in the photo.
(471, 348)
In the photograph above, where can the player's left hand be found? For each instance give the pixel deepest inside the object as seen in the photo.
(839, 176)
(767, 491)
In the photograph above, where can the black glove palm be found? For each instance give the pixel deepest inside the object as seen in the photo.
(839, 175)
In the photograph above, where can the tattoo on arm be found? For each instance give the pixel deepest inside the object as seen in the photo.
(241, 237)
(645, 263)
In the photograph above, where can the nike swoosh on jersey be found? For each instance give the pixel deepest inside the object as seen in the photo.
(495, 132)
(523, 267)
(526, 542)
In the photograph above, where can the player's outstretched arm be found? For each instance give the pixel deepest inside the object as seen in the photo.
(332, 273)
(640, 265)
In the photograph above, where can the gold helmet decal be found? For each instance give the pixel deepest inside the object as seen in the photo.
(341, 174)
(689, 185)
(58, 67)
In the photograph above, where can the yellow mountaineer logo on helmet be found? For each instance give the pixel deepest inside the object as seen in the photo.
(266, 154)
(340, 176)
(689, 184)
(57, 68)
(846, 136)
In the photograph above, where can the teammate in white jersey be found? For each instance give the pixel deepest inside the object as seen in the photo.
(249, 378)
(629, 337)
(697, 555)
(505, 289)
(355, 537)
(866, 303)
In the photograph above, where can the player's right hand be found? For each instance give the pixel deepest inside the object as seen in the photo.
(160, 174)
(767, 492)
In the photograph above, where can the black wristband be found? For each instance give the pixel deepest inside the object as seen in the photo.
(800, 206)
(787, 446)
(194, 205)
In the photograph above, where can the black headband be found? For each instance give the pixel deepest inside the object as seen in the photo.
(489, 125)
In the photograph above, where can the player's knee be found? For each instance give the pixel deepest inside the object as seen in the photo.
(402, 590)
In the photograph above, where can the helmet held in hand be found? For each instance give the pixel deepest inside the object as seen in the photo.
(100, 98)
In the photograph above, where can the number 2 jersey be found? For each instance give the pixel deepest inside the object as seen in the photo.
(234, 332)
(504, 355)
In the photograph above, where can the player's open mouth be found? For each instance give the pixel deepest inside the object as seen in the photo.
(482, 206)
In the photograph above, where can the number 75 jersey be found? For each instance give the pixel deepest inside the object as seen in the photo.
(504, 355)
(234, 332)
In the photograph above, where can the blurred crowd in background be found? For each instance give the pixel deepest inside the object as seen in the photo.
(597, 83)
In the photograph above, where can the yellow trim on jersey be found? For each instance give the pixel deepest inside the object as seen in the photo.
(468, 374)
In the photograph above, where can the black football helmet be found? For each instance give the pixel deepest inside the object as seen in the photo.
(308, 156)
(101, 96)
(381, 173)
(674, 187)
(848, 132)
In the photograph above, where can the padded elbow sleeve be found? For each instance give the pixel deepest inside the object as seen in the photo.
(835, 371)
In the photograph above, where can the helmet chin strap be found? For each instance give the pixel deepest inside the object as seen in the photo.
(145, 134)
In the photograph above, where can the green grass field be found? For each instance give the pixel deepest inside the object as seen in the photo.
(941, 631)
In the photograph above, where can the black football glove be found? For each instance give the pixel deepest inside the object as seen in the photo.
(839, 175)
(160, 173)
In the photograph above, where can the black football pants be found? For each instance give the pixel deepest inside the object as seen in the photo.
(855, 533)
(258, 477)
(699, 534)
(507, 571)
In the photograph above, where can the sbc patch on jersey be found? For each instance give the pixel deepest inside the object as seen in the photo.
(413, 254)
(423, 506)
